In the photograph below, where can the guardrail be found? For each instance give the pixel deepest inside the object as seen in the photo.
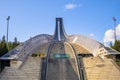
(43, 70)
(45, 63)
(81, 68)
(74, 53)
(82, 72)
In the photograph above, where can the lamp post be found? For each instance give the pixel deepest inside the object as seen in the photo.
(7, 27)
(114, 19)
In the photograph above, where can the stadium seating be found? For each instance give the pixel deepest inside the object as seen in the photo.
(30, 70)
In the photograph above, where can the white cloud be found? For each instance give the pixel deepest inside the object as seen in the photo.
(109, 35)
(71, 6)
(118, 31)
(92, 34)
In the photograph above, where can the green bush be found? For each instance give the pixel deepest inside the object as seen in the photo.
(34, 55)
(118, 62)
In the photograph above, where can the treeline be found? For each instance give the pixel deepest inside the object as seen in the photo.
(5, 47)
(116, 46)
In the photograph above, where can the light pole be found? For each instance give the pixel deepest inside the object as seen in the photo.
(114, 19)
(7, 28)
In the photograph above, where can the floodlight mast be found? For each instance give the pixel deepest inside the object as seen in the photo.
(8, 18)
(114, 19)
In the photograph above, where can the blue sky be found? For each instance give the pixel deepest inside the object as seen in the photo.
(32, 17)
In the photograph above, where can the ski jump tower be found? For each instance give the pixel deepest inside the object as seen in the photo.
(60, 34)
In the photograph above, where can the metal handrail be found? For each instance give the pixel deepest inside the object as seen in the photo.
(74, 52)
(83, 75)
(45, 63)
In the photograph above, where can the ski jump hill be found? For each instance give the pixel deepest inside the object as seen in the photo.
(60, 57)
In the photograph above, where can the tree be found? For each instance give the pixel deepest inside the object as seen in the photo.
(3, 39)
(10, 45)
(15, 43)
(3, 46)
(111, 44)
(116, 45)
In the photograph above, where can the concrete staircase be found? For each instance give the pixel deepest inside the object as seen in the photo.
(79, 49)
(30, 70)
(98, 69)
